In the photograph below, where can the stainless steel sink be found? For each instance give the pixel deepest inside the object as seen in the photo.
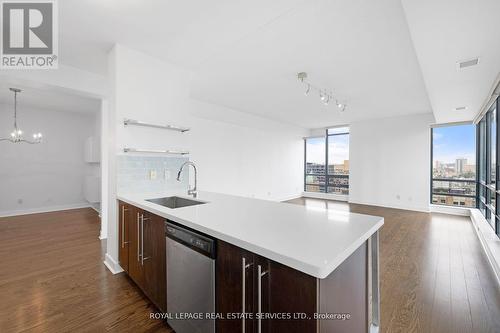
(175, 202)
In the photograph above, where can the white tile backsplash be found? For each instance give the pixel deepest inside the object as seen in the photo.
(133, 174)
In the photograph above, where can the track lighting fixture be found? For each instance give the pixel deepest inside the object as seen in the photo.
(324, 96)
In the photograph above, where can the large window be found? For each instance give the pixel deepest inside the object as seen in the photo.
(315, 164)
(332, 150)
(488, 161)
(454, 166)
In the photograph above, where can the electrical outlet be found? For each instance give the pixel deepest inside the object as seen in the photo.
(152, 174)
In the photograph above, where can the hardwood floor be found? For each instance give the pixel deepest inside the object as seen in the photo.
(434, 275)
(52, 279)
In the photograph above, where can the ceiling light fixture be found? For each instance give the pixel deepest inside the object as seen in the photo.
(17, 135)
(308, 89)
(324, 96)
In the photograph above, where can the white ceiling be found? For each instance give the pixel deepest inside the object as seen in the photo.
(445, 32)
(45, 98)
(245, 54)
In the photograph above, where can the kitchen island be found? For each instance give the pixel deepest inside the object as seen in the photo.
(316, 268)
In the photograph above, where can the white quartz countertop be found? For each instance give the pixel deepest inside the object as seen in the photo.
(312, 240)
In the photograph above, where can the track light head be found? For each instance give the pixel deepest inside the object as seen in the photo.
(302, 76)
(327, 101)
(322, 96)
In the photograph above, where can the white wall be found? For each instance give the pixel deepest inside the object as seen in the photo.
(236, 153)
(390, 158)
(45, 176)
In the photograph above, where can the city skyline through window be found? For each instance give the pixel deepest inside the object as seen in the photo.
(454, 165)
(334, 148)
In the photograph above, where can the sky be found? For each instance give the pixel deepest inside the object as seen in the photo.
(338, 144)
(449, 143)
(452, 142)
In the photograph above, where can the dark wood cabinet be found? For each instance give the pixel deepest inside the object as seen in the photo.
(253, 294)
(135, 270)
(154, 260)
(142, 251)
(251, 284)
(234, 287)
(125, 213)
(289, 291)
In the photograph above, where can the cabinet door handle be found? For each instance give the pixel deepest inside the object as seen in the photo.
(260, 274)
(123, 226)
(142, 239)
(244, 267)
(138, 237)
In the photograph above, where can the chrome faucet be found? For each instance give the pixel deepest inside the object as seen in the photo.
(191, 191)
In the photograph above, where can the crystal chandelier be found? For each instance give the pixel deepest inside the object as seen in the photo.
(17, 135)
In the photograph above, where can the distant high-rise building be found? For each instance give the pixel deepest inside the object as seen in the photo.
(460, 164)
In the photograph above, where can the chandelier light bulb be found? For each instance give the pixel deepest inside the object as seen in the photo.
(17, 135)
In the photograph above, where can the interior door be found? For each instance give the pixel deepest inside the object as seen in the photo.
(234, 288)
(125, 217)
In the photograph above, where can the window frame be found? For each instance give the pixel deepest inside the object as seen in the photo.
(464, 181)
(326, 174)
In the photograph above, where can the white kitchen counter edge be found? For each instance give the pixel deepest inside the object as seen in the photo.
(315, 271)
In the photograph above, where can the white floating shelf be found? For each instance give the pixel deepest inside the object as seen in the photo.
(155, 151)
(132, 122)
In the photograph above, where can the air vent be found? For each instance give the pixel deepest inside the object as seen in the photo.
(461, 108)
(468, 63)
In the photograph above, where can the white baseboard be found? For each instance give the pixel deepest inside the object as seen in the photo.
(326, 196)
(489, 241)
(403, 207)
(450, 210)
(290, 197)
(112, 265)
(43, 210)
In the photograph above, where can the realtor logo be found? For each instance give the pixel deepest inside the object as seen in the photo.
(29, 34)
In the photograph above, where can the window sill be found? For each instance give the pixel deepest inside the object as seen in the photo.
(489, 240)
(327, 196)
(452, 210)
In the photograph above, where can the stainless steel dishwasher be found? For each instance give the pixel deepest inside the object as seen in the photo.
(190, 279)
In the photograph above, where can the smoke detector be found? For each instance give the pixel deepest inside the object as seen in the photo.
(467, 63)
